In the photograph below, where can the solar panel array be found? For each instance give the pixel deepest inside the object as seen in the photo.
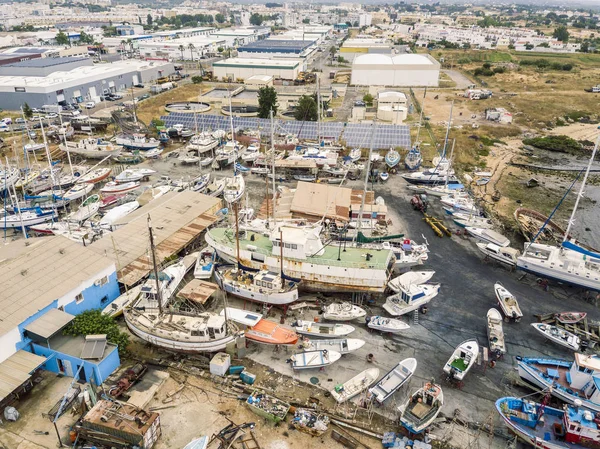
(354, 134)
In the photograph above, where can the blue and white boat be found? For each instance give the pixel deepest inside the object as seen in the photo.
(413, 159)
(546, 427)
(392, 158)
(241, 168)
(578, 380)
(205, 263)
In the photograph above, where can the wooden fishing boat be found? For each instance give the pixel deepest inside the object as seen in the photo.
(530, 222)
(322, 330)
(314, 359)
(394, 380)
(342, 311)
(356, 385)
(341, 345)
(268, 407)
(462, 359)
(495, 332)
(383, 324)
(570, 317)
(115, 308)
(508, 303)
(420, 410)
(558, 335)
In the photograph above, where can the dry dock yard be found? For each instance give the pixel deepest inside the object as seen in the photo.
(167, 314)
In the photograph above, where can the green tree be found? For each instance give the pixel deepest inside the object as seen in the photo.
(267, 101)
(181, 49)
(61, 38)
(368, 99)
(306, 21)
(192, 48)
(93, 322)
(220, 18)
(307, 109)
(196, 79)
(149, 19)
(27, 112)
(85, 38)
(256, 19)
(561, 33)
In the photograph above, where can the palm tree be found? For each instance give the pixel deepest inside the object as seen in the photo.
(181, 48)
(191, 47)
(130, 42)
(123, 42)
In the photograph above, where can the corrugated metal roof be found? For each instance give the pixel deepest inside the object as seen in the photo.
(49, 323)
(177, 218)
(38, 271)
(16, 369)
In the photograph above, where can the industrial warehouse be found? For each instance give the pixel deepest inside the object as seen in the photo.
(406, 70)
(242, 68)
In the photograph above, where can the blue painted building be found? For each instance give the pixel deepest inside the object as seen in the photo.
(48, 281)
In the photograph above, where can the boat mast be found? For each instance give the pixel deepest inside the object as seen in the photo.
(449, 165)
(281, 249)
(15, 201)
(237, 234)
(364, 194)
(66, 145)
(421, 117)
(581, 190)
(448, 129)
(155, 267)
(233, 135)
(273, 164)
(318, 113)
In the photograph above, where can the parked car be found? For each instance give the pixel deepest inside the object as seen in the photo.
(116, 96)
(4, 128)
(143, 97)
(20, 120)
(52, 115)
(360, 104)
(35, 118)
(90, 105)
(36, 110)
(7, 121)
(139, 85)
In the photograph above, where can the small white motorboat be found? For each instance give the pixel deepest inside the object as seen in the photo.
(343, 311)
(356, 385)
(410, 298)
(384, 324)
(234, 188)
(314, 359)
(488, 235)
(115, 214)
(482, 181)
(384, 176)
(152, 154)
(133, 175)
(323, 330)
(505, 255)
(420, 410)
(115, 308)
(495, 332)
(394, 380)
(260, 170)
(508, 303)
(463, 220)
(558, 335)
(113, 187)
(462, 359)
(205, 264)
(483, 174)
(410, 278)
(355, 154)
(78, 191)
(341, 345)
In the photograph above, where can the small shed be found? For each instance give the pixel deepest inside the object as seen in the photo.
(259, 81)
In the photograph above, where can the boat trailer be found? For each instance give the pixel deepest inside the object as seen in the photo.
(437, 225)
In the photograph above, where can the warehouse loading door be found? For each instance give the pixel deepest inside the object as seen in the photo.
(93, 94)
(136, 79)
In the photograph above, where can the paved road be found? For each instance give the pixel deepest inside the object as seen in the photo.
(462, 82)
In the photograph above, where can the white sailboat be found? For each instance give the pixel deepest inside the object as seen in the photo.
(395, 379)
(569, 262)
(88, 209)
(343, 311)
(133, 175)
(78, 191)
(355, 386)
(410, 278)
(117, 213)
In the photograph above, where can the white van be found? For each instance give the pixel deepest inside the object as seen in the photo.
(90, 105)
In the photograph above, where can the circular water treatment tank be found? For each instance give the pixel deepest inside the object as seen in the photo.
(189, 106)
